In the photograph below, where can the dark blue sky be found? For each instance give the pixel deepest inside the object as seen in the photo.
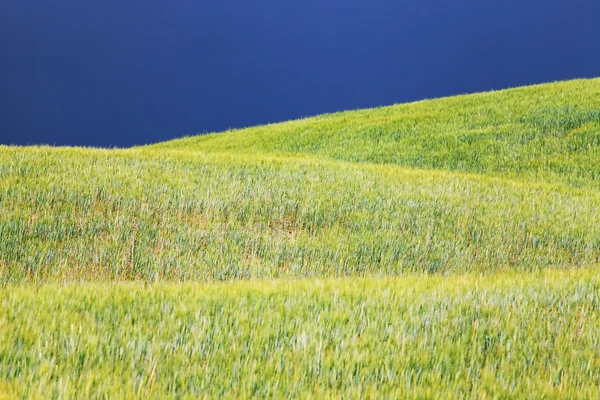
(124, 72)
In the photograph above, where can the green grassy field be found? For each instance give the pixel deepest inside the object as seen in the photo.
(442, 248)
(509, 335)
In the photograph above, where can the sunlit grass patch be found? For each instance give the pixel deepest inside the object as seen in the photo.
(502, 335)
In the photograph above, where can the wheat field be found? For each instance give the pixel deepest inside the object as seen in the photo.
(444, 248)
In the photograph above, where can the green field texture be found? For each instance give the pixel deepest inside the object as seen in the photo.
(445, 248)
(505, 335)
(545, 133)
(489, 182)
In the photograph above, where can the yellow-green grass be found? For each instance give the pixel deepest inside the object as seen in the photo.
(545, 132)
(504, 335)
(87, 215)
(497, 181)
(445, 248)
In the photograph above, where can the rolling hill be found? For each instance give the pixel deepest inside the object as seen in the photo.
(442, 247)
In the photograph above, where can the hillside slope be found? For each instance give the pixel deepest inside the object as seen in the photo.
(545, 132)
(489, 182)
(446, 248)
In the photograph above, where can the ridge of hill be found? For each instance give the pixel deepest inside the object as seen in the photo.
(544, 132)
(497, 181)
